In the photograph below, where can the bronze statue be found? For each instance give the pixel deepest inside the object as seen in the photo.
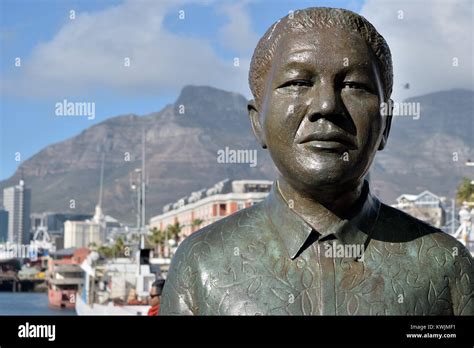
(320, 243)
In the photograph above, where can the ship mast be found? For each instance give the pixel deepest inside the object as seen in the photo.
(98, 215)
(143, 187)
(101, 180)
(139, 186)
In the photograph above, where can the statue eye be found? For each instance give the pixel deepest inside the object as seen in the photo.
(297, 83)
(356, 85)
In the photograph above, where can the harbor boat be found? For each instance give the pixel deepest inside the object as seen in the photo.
(65, 276)
(118, 286)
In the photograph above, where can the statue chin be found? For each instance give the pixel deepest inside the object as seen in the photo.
(314, 176)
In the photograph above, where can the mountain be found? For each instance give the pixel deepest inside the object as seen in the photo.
(428, 153)
(182, 141)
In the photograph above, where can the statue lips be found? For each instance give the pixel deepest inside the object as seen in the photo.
(333, 140)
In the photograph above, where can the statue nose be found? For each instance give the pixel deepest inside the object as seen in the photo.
(325, 102)
(325, 105)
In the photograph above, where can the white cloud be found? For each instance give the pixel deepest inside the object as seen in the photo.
(237, 34)
(88, 53)
(425, 41)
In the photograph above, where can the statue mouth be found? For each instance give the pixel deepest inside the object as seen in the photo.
(335, 140)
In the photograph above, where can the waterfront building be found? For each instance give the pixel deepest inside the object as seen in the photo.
(3, 225)
(54, 222)
(82, 234)
(212, 204)
(17, 202)
(94, 231)
(49, 227)
(425, 206)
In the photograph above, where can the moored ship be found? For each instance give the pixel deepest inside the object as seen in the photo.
(119, 286)
(65, 276)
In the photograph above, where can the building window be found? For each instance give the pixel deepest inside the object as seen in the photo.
(222, 209)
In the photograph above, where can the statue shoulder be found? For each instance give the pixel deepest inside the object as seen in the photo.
(199, 254)
(404, 226)
(218, 238)
(397, 226)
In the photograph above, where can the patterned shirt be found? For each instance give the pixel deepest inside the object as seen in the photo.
(268, 260)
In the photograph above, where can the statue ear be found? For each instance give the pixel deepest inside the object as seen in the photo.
(388, 125)
(254, 116)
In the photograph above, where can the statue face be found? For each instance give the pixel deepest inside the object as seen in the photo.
(320, 116)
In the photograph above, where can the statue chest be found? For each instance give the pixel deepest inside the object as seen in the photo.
(382, 283)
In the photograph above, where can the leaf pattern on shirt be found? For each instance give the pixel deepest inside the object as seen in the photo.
(238, 266)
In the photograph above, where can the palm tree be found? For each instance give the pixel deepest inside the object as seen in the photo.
(118, 248)
(465, 191)
(156, 239)
(196, 223)
(174, 231)
(105, 251)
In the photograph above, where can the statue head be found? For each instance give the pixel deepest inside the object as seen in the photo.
(318, 77)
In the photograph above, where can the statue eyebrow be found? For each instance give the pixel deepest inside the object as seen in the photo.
(359, 69)
(295, 61)
(311, 65)
(297, 65)
(303, 60)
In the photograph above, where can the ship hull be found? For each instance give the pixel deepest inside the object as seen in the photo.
(83, 308)
(61, 298)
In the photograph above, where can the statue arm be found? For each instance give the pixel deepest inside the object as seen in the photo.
(177, 296)
(462, 284)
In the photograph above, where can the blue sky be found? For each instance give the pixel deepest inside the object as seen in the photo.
(80, 59)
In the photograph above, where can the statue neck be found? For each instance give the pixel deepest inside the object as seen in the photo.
(340, 201)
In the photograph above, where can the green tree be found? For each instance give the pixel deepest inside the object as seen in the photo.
(174, 231)
(105, 251)
(465, 191)
(197, 223)
(157, 239)
(119, 247)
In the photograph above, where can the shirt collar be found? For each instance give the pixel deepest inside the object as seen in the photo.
(295, 231)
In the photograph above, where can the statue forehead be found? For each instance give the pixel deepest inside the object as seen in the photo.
(306, 21)
(296, 46)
